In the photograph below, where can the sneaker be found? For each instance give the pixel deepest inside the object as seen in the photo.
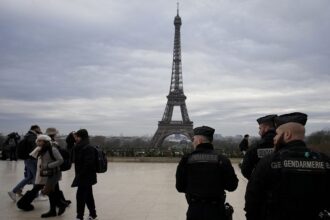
(41, 197)
(92, 218)
(12, 195)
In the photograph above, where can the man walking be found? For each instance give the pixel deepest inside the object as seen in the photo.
(243, 147)
(24, 149)
(85, 174)
(244, 144)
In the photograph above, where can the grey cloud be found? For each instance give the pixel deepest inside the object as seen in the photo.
(241, 59)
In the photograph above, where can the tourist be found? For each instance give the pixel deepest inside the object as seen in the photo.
(85, 174)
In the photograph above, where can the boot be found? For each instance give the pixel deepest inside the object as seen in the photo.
(61, 210)
(52, 202)
(55, 200)
(27, 207)
(25, 202)
(63, 200)
(50, 213)
(68, 202)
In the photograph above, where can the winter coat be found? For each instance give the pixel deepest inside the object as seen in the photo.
(31, 137)
(205, 173)
(85, 167)
(256, 152)
(292, 183)
(244, 145)
(46, 161)
(203, 176)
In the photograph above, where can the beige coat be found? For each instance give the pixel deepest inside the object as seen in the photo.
(46, 161)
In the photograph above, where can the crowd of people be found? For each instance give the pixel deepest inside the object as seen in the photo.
(286, 179)
(44, 162)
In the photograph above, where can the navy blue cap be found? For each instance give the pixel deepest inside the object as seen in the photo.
(266, 119)
(204, 131)
(296, 117)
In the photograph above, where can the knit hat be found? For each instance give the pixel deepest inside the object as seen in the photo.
(43, 137)
(205, 131)
(82, 133)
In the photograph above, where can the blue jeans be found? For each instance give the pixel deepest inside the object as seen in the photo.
(29, 174)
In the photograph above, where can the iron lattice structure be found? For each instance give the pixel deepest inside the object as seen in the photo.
(176, 97)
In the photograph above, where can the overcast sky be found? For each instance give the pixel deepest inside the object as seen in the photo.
(106, 65)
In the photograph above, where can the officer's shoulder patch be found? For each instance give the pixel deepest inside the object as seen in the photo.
(203, 158)
(261, 152)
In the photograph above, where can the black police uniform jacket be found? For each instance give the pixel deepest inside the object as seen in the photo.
(292, 183)
(204, 174)
(259, 150)
(85, 166)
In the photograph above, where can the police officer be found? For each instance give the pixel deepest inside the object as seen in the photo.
(262, 147)
(292, 183)
(203, 176)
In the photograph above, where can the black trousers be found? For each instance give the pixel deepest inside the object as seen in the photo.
(85, 197)
(12, 153)
(205, 211)
(29, 196)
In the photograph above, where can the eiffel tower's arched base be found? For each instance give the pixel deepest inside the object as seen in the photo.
(166, 129)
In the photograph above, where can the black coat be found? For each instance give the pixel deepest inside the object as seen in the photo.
(205, 173)
(292, 183)
(204, 176)
(244, 145)
(30, 143)
(256, 152)
(85, 166)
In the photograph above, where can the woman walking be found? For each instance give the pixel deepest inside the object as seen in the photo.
(52, 132)
(48, 175)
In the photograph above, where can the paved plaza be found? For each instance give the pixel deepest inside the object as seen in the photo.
(128, 191)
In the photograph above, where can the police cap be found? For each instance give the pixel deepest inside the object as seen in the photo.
(204, 131)
(296, 117)
(266, 119)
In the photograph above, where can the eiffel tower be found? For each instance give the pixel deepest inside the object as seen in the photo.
(176, 97)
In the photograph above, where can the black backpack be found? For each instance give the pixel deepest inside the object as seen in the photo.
(67, 163)
(101, 161)
(22, 149)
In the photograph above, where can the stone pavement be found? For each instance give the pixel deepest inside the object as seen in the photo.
(139, 191)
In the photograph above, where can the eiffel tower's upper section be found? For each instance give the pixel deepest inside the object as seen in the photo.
(176, 87)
